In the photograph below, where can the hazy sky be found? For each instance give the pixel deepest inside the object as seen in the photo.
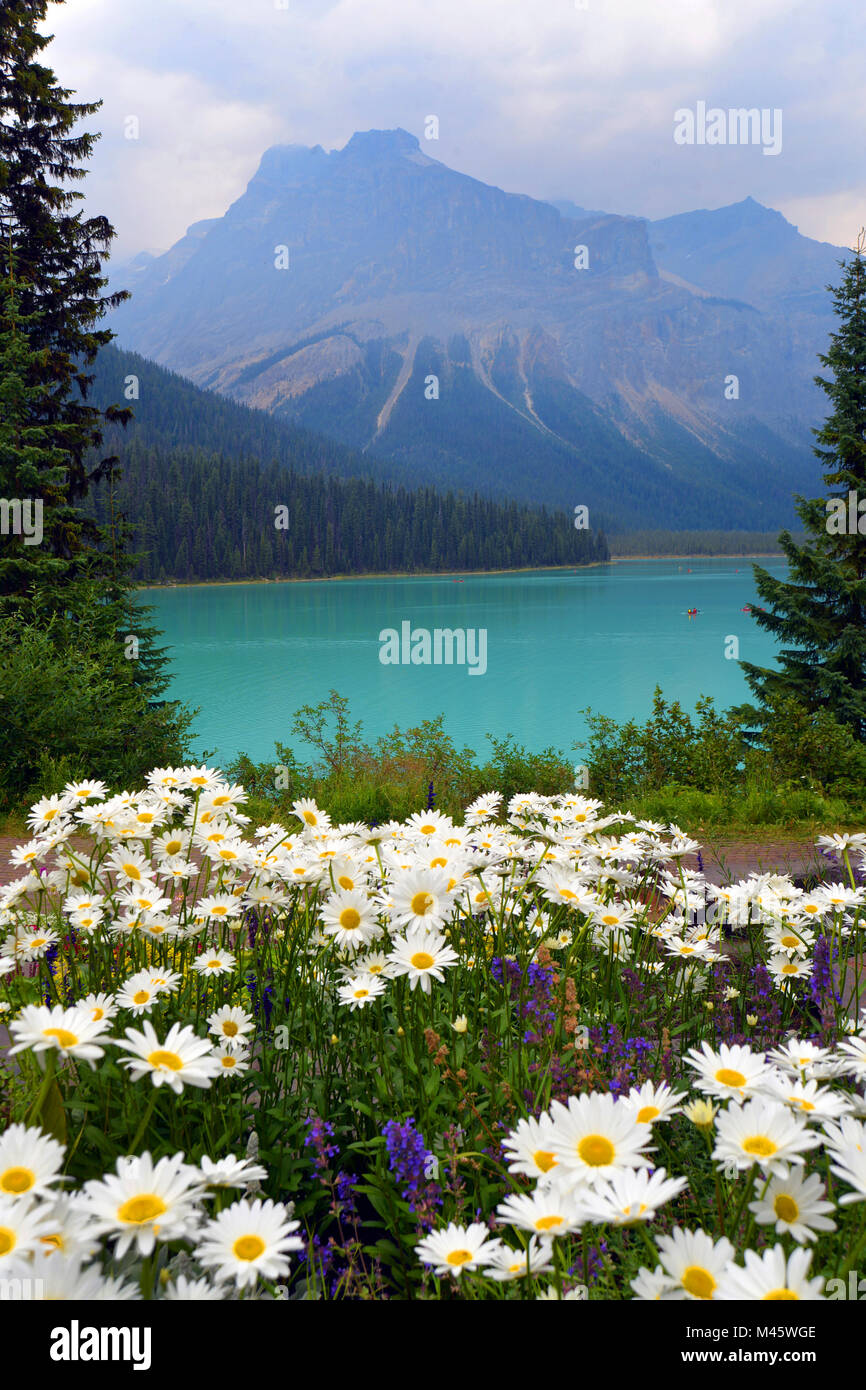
(555, 98)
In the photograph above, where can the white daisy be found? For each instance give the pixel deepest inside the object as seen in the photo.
(458, 1249)
(142, 1201)
(22, 1224)
(231, 1171)
(231, 1025)
(246, 1240)
(30, 1162)
(595, 1136)
(651, 1102)
(771, 1276)
(422, 955)
(350, 918)
(182, 1060)
(506, 1264)
(528, 1147)
(422, 898)
(631, 1196)
(762, 1132)
(694, 1262)
(212, 962)
(794, 1203)
(361, 990)
(734, 1071)
(74, 1032)
(549, 1211)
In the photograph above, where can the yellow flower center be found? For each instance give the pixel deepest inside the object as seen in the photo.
(609, 919)
(230, 1028)
(7, 1240)
(309, 818)
(698, 1282)
(596, 1150)
(421, 960)
(137, 1211)
(727, 1077)
(459, 1257)
(421, 904)
(214, 964)
(98, 1014)
(141, 996)
(544, 1160)
(361, 993)
(786, 1208)
(248, 1248)
(350, 919)
(17, 1180)
(647, 1114)
(549, 1223)
(438, 863)
(803, 1104)
(759, 1145)
(346, 882)
(566, 893)
(790, 941)
(228, 1061)
(53, 1242)
(132, 871)
(64, 1038)
(173, 846)
(780, 1295)
(170, 1060)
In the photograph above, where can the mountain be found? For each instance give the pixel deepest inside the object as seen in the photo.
(214, 490)
(443, 325)
(751, 253)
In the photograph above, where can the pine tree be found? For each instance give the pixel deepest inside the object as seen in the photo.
(53, 252)
(819, 612)
(31, 464)
(69, 598)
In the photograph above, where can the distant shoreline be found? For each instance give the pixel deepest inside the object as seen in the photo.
(443, 574)
(751, 555)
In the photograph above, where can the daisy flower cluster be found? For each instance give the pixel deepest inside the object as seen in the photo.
(63, 1243)
(591, 1164)
(186, 976)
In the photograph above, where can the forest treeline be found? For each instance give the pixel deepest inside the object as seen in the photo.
(195, 515)
(685, 543)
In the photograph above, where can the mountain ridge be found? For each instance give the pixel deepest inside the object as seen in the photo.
(591, 381)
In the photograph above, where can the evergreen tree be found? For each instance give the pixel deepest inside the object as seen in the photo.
(53, 253)
(68, 598)
(31, 463)
(819, 611)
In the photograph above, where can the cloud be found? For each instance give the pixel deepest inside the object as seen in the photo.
(549, 99)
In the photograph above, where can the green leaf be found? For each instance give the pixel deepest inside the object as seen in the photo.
(52, 1117)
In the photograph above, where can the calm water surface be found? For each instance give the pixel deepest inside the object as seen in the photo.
(248, 655)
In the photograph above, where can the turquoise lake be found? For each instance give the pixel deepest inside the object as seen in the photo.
(249, 655)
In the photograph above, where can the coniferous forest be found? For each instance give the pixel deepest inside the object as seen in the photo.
(200, 516)
(212, 490)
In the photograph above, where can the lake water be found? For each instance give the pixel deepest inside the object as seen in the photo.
(249, 655)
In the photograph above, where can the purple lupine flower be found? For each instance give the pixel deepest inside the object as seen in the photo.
(412, 1165)
(318, 1134)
